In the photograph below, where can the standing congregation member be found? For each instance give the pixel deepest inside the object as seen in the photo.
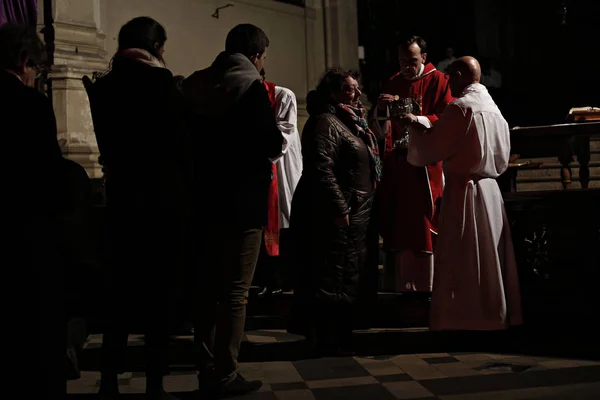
(235, 135)
(331, 212)
(144, 142)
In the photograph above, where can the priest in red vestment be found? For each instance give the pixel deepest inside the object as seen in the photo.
(410, 196)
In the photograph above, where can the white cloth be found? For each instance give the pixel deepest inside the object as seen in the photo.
(420, 118)
(475, 285)
(423, 120)
(289, 162)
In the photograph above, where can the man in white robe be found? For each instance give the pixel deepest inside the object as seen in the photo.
(289, 163)
(272, 274)
(476, 286)
(289, 170)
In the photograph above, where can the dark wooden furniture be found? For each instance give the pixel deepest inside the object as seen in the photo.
(563, 141)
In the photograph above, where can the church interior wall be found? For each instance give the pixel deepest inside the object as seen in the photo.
(296, 55)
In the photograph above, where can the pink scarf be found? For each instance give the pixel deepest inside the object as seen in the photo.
(142, 56)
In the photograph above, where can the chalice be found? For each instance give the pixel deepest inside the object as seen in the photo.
(400, 109)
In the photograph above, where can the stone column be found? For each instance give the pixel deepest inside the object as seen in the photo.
(341, 33)
(341, 36)
(78, 50)
(315, 53)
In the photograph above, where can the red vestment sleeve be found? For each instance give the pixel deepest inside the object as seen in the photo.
(443, 97)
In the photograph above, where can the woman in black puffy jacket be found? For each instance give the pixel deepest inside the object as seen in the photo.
(331, 210)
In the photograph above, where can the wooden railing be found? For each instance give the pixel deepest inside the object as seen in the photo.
(563, 141)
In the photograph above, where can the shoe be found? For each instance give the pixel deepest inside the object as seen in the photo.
(240, 386)
(76, 337)
(77, 333)
(277, 292)
(237, 387)
(73, 371)
(263, 292)
(345, 352)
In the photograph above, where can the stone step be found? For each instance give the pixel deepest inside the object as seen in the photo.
(394, 310)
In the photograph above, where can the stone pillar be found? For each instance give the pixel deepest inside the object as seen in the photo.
(341, 33)
(315, 53)
(341, 36)
(78, 50)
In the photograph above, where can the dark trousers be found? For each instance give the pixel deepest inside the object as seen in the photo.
(33, 299)
(148, 259)
(227, 263)
(43, 255)
(369, 272)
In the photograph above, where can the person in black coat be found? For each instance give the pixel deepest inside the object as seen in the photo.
(144, 143)
(331, 209)
(42, 193)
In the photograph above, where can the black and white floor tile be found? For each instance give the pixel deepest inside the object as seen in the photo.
(444, 376)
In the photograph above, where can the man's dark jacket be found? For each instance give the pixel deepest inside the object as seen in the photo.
(235, 134)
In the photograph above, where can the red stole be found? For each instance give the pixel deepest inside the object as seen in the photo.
(272, 229)
(410, 196)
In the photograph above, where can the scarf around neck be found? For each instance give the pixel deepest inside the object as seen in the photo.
(354, 118)
(142, 56)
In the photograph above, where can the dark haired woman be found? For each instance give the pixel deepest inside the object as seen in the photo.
(143, 141)
(331, 208)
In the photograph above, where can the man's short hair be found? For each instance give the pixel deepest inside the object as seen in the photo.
(17, 44)
(405, 44)
(246, 39)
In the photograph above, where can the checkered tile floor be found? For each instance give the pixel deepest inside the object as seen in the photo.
(454, 376)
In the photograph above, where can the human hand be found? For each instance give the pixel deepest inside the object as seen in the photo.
(342, 222)
(407, 119)
(385, 99)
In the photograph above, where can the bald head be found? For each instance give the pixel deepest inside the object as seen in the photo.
(468, 67)
(463, 72)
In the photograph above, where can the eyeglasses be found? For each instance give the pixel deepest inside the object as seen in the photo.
(39, 71)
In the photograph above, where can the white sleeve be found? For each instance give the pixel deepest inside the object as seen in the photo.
(286, 115)
(424, 121)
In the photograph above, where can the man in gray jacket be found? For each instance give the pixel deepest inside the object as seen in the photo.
(235, 136)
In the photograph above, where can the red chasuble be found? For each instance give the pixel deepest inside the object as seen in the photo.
(272, 229)
(410, 196)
